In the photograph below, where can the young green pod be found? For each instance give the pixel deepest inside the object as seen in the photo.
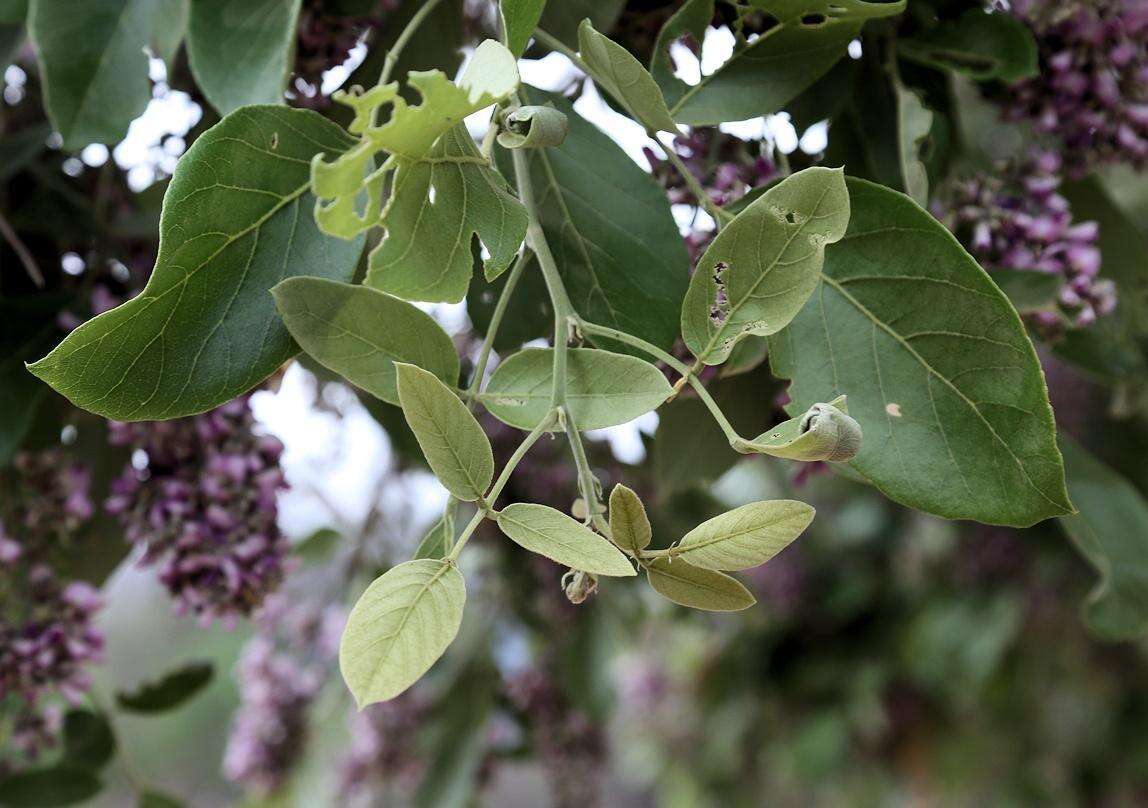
(533, 128)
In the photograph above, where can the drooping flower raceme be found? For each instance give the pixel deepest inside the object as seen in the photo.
(203, 507)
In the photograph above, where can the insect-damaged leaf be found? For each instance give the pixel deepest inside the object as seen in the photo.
(762, 267)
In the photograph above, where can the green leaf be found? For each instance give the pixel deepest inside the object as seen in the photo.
(533, 128)
(235, 222)
(44, 788)
(1111, 532)
(93, 64)
(13, 11)
(823, 432)
(169, 692)
(623, 77)
(437, 205)
(319, 546)
(939, 371)
(1028, 291)
(914, 125)
(401, 625)
(88, 740)
(629, 525)
(519, 19)
(611, 230)
(698, 588)
(744, 537)
(350, 188)
(563, 540)
(981, 44)
(602, 388)
(360, 333)
(240, 50)
(762, 76)
(760, 270)
(455, 446)
(563, 17)
(436, 542)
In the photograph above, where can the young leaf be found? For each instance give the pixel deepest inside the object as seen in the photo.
(940, 373)
(360, 333)
(629, 525)
(623, 77)
(401, 625)
(555, 535)
(602, 388)
(984, 45)
(63, 784)
(611, 229)
(169, 692)
(437, 205)
(235, 222)
(88, 740)
(823, 432)
(1111, 531)
(519, 19)
(455, 446)
(760, 270)
(914, 123)
(93, 64)
(697, 588)
(744, 537)
(761, 76)
(240, 50)
(436, 542)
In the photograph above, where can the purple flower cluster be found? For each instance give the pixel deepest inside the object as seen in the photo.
(52, 499)
(204, 508)
(280, 673)
(725, 166)
(381, 753)
(1016, 220)
(1092, 91)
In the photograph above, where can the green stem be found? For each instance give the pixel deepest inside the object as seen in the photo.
(492, 330)
(587, 483)
(719, 216)
(404, 37)
(556, 44)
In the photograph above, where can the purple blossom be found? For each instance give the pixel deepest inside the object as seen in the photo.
(205, 508)
(1092, 91)
(381, 752)
(725, 166)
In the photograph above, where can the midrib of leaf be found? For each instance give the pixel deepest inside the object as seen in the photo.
(557, 539)
(761, 278)
(932, 371)
(407, 612)
(685, 548)
(666, 573)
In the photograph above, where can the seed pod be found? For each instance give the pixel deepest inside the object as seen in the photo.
(823, 432)
(533, 128)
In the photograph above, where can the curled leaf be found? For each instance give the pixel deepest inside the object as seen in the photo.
(534, 127)
(823, 432)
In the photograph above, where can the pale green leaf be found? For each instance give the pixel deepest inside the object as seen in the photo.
(360, 333)
(400, 626)
(456, 448)
(92, 60)
(762, 76)
(436, 543)
(519, 19)
(939, 371)
(982, 44)
(555, 535)
(240, 50)
(823, 432)
(623, 77)
(437, 205)
(610, 227)
(533, 128)
(235, 222)
(914, 123)
(697, 588)
(602, 388)
(629, 525)
(744, 537)
(763, 266)
(1111, 531)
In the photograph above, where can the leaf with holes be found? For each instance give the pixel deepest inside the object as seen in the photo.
(939, 370)
(437, 205)
(697, 588)
(611, 230)
(360, 333)
(400, 626)
(456, 448)
(744, 537)
(602, 389)
(762, 267)
(555, 535)
(629, 525)
(235, 222)
(623, 77)
(239, 50)
(806, 39)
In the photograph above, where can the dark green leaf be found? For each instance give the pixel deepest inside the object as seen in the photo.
(154, 799)
(1028, 291)
(360, 333)
(13, 11)
(562, 17)
(937, 366)
(687, 585)
(169, 692)
(981, 44)
(519, 19)
(236, 221)
(45, 788)
(88, 740)
(240, 50)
